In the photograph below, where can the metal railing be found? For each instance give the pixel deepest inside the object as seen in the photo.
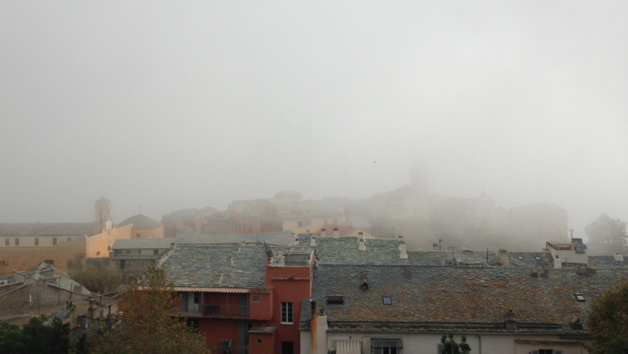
(225, 311)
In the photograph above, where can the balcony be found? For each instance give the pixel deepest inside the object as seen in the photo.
(225, 311)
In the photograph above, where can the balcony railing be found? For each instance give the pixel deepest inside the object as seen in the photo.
(225, 311)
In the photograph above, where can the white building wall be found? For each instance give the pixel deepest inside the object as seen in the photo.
(428, 343)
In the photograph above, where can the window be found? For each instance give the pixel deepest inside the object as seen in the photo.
(259, 340)
(36, 241)
(287, 348)
(386, 345)
(69, 239)
(286, 313)
(155, 252)
(546, 351)
(256, 299)
(54, 241)
(197, 298)
(122, 264)
(17, 241)
(138, 235)
(386, 300)
(579, 297)
(6, 241)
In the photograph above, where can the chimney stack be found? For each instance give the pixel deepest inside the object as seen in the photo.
(402, 250)
(313, 242)
(510, 323)
(361, 244)
(323, 232)
(534, 273)
(336, 233)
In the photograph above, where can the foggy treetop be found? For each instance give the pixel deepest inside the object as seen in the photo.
(184, 105)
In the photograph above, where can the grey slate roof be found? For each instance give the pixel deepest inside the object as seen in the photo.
(143, 243)
(530, 259)
(344, 250)
(608, 262)
(425, 298)
(197, 266)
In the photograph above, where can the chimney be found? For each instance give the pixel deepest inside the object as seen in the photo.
(534, 273)
(510, 323)
(591, 269)
(336, 233)
(576, 324)
(323, 232)
(402, 250)
(361, 245)
(313, 242)
(545, 271)
(230, 260)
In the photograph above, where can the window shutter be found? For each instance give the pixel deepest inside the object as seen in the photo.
(440, 348)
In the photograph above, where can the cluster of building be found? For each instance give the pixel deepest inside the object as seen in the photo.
(25, 245)
(285, 293)
(48, 290)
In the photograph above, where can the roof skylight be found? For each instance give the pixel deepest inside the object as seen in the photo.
(579, 297)
(387, 300)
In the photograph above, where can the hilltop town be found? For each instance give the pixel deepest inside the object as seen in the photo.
(288, 275)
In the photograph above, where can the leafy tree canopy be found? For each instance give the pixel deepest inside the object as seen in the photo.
(607, 231)
(608, 321)
(150, 322)
(450, 346)
(34, 337)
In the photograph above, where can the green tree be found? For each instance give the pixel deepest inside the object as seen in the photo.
(608, 232)
(608, 321)
(100, 279)
(450, 346)
(150, 322)
(34, 337)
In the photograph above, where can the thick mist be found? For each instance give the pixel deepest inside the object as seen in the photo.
(173, 106)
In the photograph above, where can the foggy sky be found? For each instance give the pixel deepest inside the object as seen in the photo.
(173, 105)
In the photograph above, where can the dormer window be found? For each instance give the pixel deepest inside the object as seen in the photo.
(387, 300)
(335, 300)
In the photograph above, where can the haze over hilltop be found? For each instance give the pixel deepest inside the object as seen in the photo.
(174, 106)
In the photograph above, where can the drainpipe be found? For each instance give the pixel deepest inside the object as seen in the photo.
(479, 343)
(313, 329)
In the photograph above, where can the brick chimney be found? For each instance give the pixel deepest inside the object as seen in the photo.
(336, 233)
(545, 271)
